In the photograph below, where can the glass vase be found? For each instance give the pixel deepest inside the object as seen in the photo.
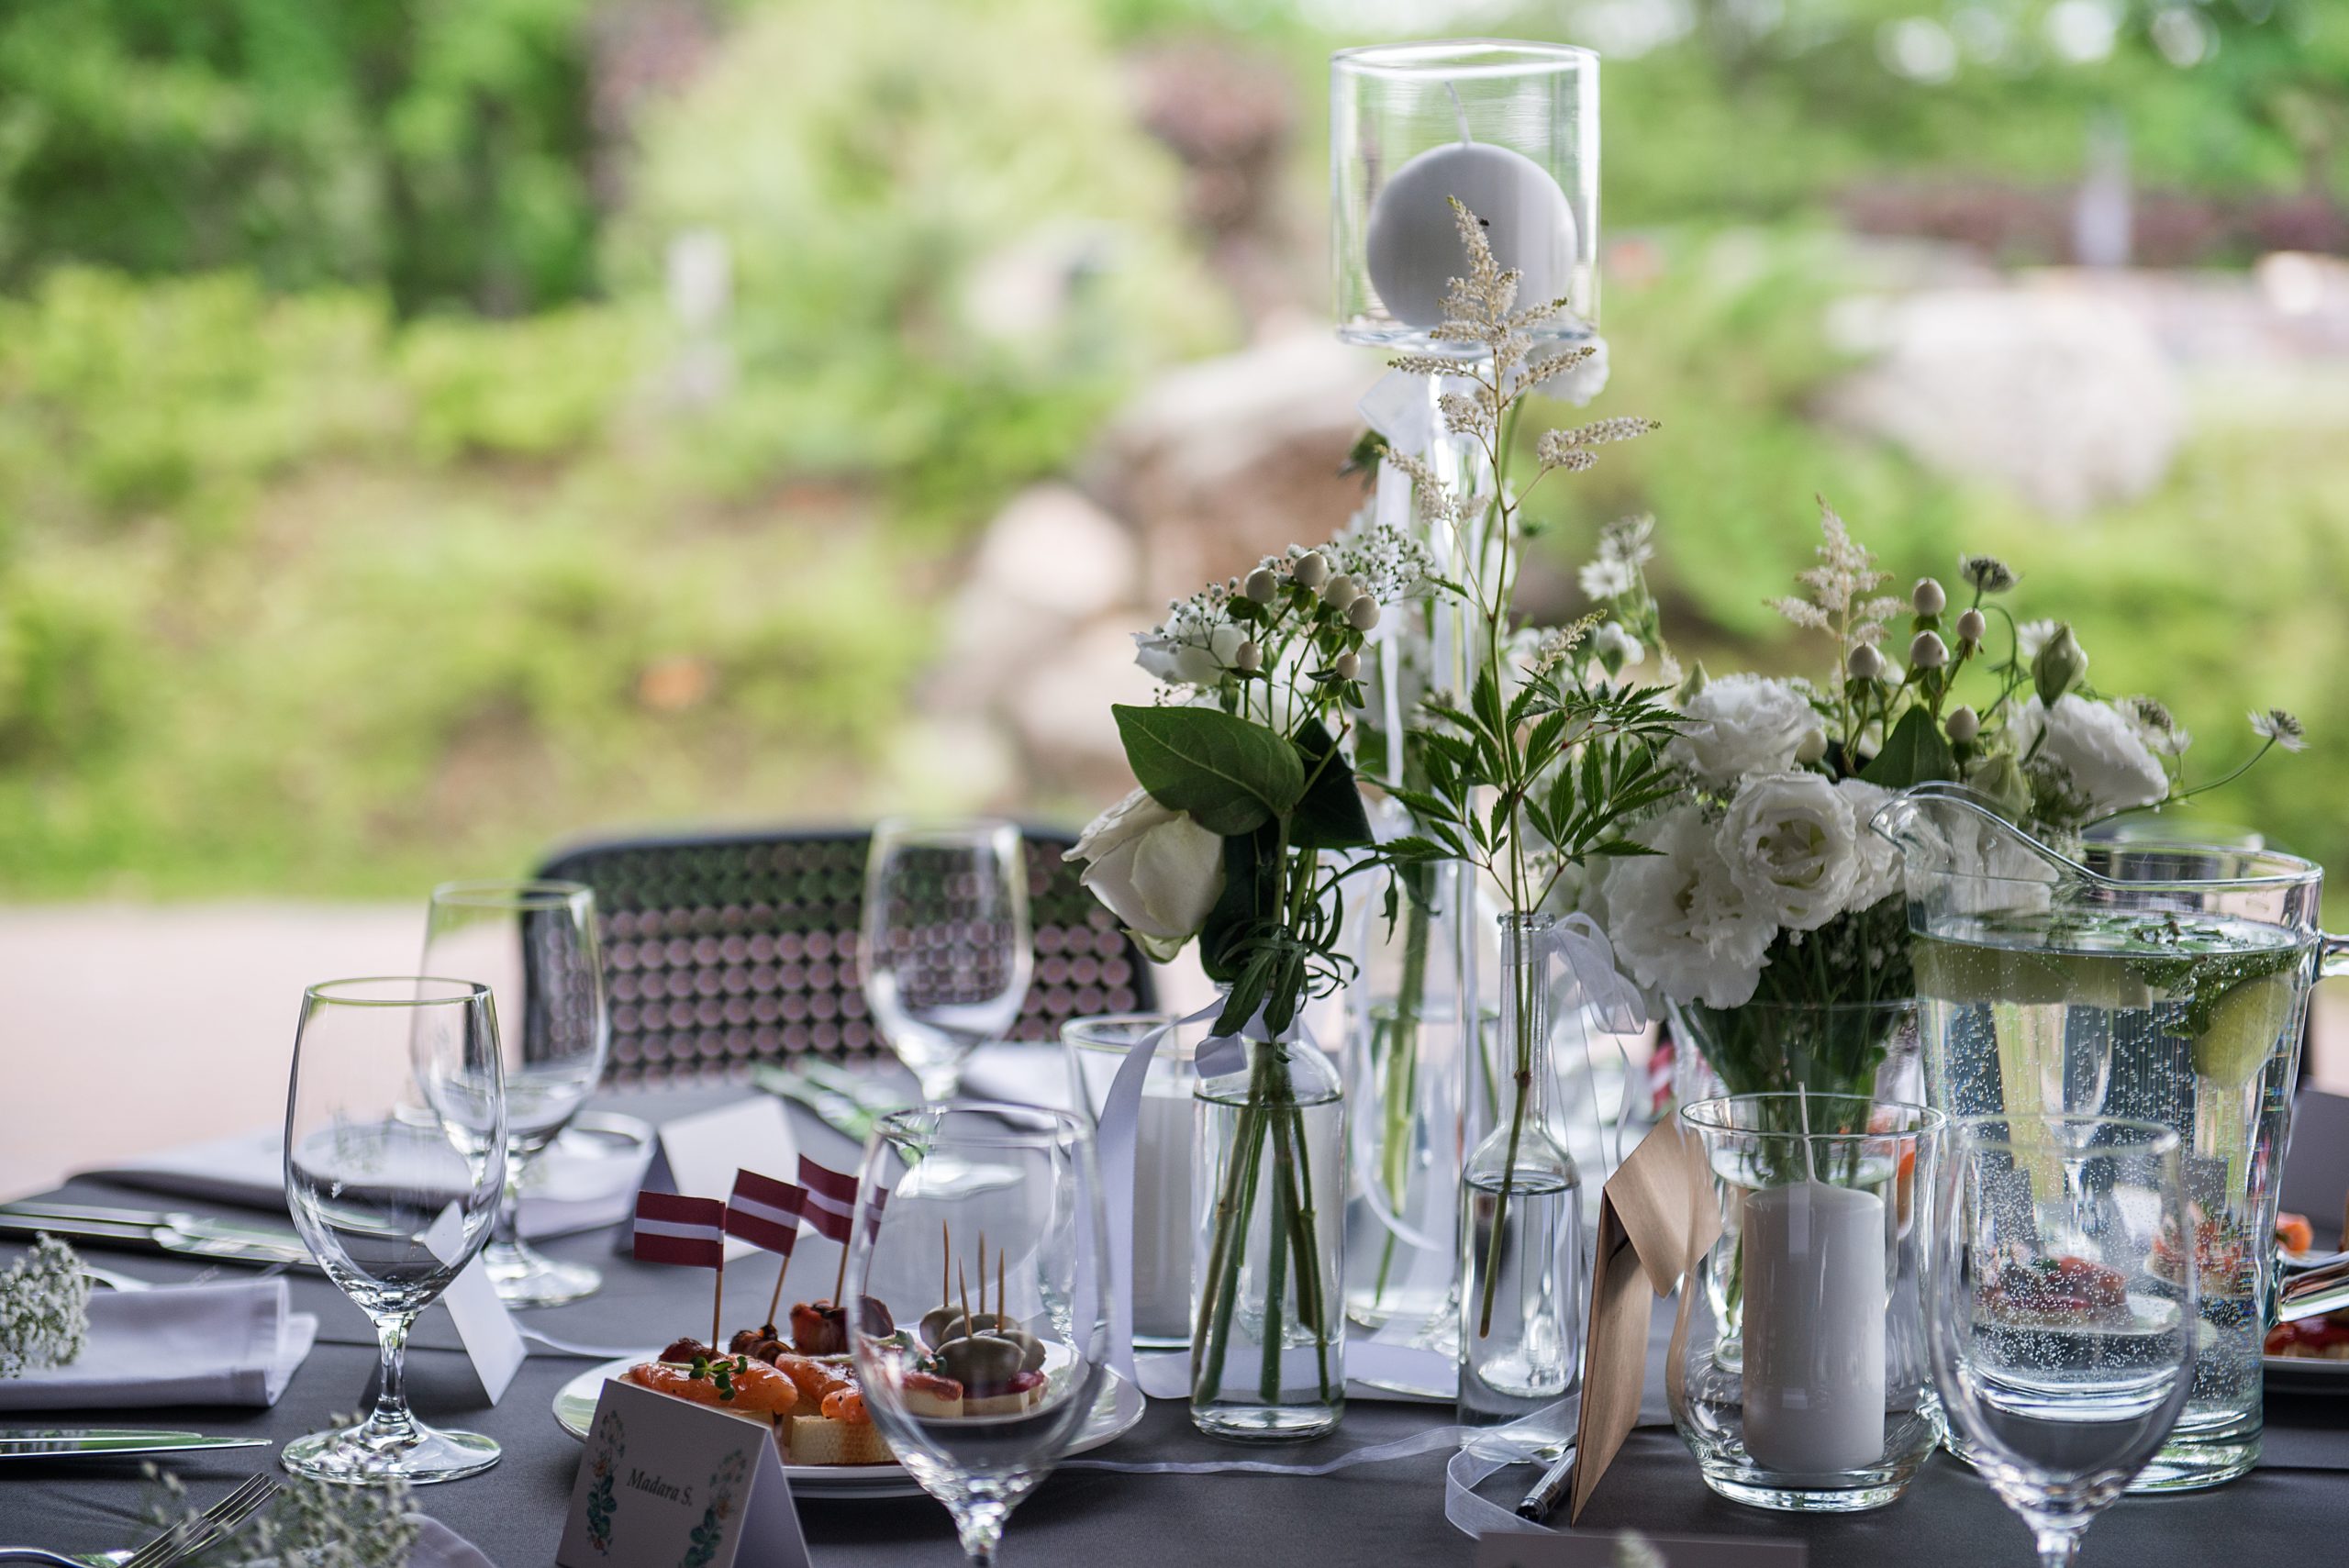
(1521, 1265)
(1268, 1255)
(1815, 1395)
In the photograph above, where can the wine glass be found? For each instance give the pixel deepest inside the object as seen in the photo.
(1023, 1335)
(2062, 1316)
(947, 951)
(534, 945)
(394, 1159)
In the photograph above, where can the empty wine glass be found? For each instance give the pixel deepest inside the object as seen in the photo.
(534, 945)
(394, 1159)
(2063, 1314)
(1006, 1290)
(947, 951)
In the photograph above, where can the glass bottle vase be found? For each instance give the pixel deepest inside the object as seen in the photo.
(1268, 1264)
(1521, 1265)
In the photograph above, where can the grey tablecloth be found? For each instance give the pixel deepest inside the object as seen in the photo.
(2294, 1509)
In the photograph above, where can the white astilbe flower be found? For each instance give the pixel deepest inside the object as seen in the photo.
(1842, 589)
(1570, 449)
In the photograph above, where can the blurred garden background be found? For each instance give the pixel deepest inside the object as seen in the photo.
(428, 431)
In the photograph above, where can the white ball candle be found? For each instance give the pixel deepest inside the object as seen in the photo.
(1815, 1298)
(1412, 244)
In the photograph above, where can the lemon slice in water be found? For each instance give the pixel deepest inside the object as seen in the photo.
(2243, 1027)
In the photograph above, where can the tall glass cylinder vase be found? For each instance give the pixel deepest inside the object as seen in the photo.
(1268, 1266)
(1521, 1273)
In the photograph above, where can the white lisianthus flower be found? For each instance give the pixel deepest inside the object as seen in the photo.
(1678, 923)
(2093, 750)
(1879, 858)
(1791, 849)
(1743, 725)
(1156, 870)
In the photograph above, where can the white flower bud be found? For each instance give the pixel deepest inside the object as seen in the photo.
(1962, 724)
(1865, 663)
(1813, 746)
(1339, 591)
(1249, 657)
(1310, 569)
(1971, 627)
(1348, 666)
(1928, 652)
(1363, 614)
(1928, 598)
(1261, 585)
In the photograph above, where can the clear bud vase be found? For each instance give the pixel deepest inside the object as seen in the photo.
(1521, 1273)
(1268, 1267)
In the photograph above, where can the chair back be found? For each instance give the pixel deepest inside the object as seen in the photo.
(723, 952)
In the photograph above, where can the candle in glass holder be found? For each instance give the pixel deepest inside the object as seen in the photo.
(1412, 245)
(1814, 1328)
(1162, 1134)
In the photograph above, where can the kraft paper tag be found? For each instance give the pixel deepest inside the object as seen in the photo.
(665, 1481)
(1656, 1217)
(1609, 1548)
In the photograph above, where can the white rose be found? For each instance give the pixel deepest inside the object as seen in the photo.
(1678, 924)
(1157, 870)
(1791, 849)
(1741, 725)
(2093, 750)
(1879, 874)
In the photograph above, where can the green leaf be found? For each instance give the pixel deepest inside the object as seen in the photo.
(1251, 892)
(1230, 775)
(1913, 754)
(1485, 700)
(1328, 814)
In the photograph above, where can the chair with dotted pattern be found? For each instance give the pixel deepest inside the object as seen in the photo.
(728, 951)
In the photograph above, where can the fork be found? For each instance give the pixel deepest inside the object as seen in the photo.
(175, 1545)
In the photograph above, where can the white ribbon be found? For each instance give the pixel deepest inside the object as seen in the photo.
(1590, 957)
(1398, 408)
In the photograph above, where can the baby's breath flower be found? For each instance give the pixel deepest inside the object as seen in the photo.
(2281, 727)
(44, 1309)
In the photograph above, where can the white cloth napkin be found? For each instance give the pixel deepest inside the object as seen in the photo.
(191, 1344)
(437, 1546)
(1021, 1073)
(566, 1193)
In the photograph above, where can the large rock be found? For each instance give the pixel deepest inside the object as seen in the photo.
(2060, 394)
(1221, 462)
(1051, 560)
(1060, 709)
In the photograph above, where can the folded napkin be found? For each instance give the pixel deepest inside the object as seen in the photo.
(437, 1546)
(191, 1344)
(576, 1184)
(1019, 1073)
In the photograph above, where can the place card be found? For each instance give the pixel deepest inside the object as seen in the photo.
(1656, 1217)
(485, 1327)
(666, 1481)
(1636, 1548)
(697, 1155)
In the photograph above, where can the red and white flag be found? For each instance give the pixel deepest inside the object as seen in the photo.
(764, 1212)
(687, 1231)
(831, 1201)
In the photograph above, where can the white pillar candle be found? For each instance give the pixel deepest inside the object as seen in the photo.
(1163, 1129)
(1412, 244)
(1814, 1328)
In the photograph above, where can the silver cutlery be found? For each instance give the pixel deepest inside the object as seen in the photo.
(177, 1544)
(106, 1442)
(187, 1235)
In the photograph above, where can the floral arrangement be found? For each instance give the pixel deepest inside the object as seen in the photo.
(44, 1309)
(319, 1524)
(1766, 885)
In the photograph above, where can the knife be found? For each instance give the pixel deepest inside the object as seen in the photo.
(48, 1442)
(1546, 1492)
(182, 1233)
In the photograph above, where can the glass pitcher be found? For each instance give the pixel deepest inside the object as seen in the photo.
(2163, 982)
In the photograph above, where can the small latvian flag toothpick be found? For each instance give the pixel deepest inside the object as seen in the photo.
(831, 1208)
(765, 1213)
(688, 1232)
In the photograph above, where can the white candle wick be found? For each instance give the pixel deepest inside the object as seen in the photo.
(1460, 113)
(1802, 1106)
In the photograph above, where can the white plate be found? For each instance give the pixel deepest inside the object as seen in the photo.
(1114, 1415)
(2304, 1374)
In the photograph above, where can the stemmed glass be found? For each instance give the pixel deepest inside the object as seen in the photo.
(395, 1157)
(947, 951)
(534, 945)
(1035, 1363)
(2062, 1309)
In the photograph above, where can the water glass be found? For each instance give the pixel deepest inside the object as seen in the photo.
(947, 948)
(2062, 1325)
(394, 1161)
(534, 944)
(1007, 1284)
